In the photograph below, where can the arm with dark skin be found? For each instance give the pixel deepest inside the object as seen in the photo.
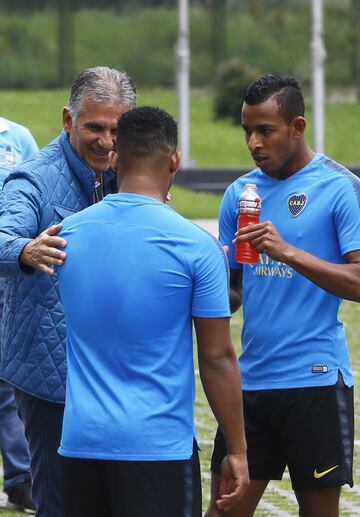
(342, 280)
(220, 376)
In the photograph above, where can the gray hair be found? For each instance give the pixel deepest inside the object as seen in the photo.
(101, 84)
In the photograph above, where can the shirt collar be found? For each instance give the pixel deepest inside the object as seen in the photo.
(4, 125)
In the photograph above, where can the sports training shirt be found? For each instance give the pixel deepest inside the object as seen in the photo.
(292, 336)
(16, 144)
(136, 273)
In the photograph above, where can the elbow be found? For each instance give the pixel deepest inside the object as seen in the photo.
(218, 361)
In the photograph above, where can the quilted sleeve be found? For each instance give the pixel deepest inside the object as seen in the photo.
(20, 208)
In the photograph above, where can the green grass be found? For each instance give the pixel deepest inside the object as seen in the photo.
(213, 143)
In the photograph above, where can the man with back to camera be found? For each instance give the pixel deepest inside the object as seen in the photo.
(295, 365)
(66, 176)
(128, 420)
(16, 144)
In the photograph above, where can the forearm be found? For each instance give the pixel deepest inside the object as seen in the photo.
(342, 280)
(222, 385)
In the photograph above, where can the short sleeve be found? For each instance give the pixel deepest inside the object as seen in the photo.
(346, 210)
(211, 281)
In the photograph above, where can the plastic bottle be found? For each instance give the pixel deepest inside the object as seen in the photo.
(249, 213)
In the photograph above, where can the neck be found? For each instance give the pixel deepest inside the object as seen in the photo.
(302, 158)
(143, 187)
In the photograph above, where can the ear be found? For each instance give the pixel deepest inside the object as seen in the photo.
(113, 158)
(299, 125)
(67, 119)
(175, 162)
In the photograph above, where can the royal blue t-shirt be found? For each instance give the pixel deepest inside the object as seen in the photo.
(292, 336)
(136, 273)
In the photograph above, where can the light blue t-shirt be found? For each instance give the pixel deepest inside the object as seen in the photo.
(136, 273)
(292, 336)
(16, 144)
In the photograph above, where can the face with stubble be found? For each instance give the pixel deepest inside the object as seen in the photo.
(93, 131)
(272, 140)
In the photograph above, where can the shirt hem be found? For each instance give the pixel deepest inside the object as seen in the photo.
(123, 456)
(315, 383)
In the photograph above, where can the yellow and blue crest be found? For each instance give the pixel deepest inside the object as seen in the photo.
(297, 203)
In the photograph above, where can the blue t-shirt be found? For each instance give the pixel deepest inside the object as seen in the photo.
(136, 273)
(292, 336)
(16, 144)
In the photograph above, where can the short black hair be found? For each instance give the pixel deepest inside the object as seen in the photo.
(145, 131)
(286, 91)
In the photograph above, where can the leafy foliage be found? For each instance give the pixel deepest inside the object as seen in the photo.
(231, 80)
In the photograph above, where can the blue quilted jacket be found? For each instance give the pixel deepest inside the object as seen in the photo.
(51, 185)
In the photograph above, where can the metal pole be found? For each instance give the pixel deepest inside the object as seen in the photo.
(318, 81)
(183, 83)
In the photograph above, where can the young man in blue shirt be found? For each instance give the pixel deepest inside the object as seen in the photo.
(295, 365)
(136, 277)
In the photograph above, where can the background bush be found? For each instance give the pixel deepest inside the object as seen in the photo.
(231, 80)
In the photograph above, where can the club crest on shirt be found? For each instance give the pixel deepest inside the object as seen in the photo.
(297, 203)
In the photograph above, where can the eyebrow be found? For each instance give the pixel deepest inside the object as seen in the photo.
(93, 125)
(259, 126)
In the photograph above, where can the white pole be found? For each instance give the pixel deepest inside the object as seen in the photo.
(318, 81)
(183, 83)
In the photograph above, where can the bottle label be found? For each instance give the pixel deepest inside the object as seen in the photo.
(250, 206)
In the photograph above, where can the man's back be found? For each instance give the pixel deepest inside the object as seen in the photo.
(129, 311)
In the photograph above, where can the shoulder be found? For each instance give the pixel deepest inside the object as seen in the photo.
(233, 190)
(18, 128)
(188, 234)
(339, 178)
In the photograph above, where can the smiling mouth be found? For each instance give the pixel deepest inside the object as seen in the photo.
(102, 154)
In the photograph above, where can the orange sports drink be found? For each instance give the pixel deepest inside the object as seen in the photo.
(249, 213)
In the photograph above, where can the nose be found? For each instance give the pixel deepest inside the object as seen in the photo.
(254, 142)
(107, 140)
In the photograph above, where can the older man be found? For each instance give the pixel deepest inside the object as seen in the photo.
(69, 174)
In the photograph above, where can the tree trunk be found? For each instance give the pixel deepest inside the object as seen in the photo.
(217, 9)
(65, 35)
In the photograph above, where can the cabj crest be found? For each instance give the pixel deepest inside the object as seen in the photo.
(297, 203)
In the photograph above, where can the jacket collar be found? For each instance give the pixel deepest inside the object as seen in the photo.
(84, 173)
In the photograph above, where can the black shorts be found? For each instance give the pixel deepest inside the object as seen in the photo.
(95, 488)
(309, 430)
